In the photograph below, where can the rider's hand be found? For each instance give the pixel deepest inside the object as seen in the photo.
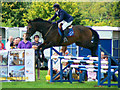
(49, 20)
(34, 46)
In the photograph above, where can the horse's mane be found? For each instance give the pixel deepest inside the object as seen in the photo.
(40, 20)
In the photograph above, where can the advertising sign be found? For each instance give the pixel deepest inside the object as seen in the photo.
(17, 65)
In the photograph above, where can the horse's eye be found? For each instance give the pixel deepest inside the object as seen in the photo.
(30, 26)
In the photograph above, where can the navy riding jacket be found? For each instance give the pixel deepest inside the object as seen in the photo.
(63, 15)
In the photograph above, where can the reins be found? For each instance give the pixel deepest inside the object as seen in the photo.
(48, 30)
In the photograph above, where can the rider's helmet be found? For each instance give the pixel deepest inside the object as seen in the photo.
(56, 6)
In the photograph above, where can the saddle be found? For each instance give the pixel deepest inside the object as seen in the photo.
(69, 31)
(70, 26)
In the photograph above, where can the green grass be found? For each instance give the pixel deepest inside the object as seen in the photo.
(43, 84)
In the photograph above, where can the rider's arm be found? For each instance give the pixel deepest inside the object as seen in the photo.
(54, 17)
(61, 17)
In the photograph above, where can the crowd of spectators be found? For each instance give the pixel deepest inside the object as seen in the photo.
(22, 43)
(18, 43)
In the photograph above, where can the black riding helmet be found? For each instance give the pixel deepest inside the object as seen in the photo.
(56, 6)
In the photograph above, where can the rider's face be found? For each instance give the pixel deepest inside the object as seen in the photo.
(56, 9)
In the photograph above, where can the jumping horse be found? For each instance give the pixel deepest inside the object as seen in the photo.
(83, 36)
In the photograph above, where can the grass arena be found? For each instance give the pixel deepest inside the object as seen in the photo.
(44, 83)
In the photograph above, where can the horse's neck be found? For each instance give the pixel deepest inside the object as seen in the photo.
(46, 28)
(43, 28)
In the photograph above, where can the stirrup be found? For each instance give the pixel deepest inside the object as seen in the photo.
(65, 39)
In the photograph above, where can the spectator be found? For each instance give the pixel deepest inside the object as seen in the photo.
(102, 55)
(35, 44)
(56, 66)
(9, 44)
(91, 75)
(102, 59)
(15, 43)
(1, 44)
(66, 53)
(24, 44)
(18, 39)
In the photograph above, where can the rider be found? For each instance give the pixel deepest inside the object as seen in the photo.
(65, 19)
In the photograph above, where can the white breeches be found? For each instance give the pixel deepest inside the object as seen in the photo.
(65, 24)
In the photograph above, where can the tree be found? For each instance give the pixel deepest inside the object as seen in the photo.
(15, 14)
(45, 10)
(100, 13)
(12, 13)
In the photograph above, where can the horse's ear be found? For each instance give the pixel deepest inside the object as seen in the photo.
(28, 21)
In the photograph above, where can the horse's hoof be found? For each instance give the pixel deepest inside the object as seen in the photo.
(45, 60)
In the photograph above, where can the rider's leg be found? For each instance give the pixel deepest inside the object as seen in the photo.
(64, 26)
(60, 24)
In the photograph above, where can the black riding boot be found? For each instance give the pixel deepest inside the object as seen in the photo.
(65, 32)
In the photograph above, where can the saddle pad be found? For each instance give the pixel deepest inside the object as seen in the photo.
(71, 32)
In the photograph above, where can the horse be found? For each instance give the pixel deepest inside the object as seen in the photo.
(83, 36)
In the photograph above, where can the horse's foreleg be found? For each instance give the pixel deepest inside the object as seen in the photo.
(42, 52)
(48, 45)
(43, 47)
(38, 54)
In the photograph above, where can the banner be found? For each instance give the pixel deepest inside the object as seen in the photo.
(17, 65)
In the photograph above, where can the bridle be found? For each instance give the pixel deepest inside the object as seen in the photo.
(49, 29)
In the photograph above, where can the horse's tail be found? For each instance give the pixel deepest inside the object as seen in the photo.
(95, 38)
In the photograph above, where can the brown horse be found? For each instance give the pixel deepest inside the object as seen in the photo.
(83, 36)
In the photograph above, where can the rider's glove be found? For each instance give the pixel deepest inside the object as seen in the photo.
(49, 20)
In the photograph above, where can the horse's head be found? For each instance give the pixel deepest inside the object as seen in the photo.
(37, 24)
(30, 30)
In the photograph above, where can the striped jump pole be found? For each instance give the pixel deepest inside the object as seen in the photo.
(76, 58)
(83, 61)
(93, 66)
(94, 70)
(93, 60)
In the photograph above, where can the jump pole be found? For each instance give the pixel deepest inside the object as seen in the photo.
(51, 70)
(99, 64)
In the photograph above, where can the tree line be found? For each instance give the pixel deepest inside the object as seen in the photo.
(15, 14)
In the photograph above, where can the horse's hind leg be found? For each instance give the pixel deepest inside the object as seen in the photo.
(89, 46)
(93, 51)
